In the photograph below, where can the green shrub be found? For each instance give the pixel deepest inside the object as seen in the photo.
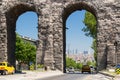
(32, 67)
(40, 66)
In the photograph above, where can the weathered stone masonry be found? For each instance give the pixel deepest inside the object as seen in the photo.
(52, 15)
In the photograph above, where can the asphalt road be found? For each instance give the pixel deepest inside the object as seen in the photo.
(54, 75)
(79, 76)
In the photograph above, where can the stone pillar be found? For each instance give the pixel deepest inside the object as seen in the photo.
(58, 43)
(45, 44)
(118, 53)
(49, 59)
(3, 38)
(111, 56)
(101, 56)
(41, 42)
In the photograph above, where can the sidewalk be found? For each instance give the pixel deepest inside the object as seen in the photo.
(111, 74)
(31, 75)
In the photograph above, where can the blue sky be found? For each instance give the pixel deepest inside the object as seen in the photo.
(75, 38)
(26, 25)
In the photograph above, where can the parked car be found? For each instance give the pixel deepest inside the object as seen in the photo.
(93, 69)
(86, 68)
(6, 68)
(71, 69)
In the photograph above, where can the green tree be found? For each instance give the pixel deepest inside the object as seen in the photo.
(90, 22)
(25, 51)
(89, 63)
(20, 49)
(94, 47)
(79, 65)
(19, 53)
(70, 63)
(30, 53)
(91, 30)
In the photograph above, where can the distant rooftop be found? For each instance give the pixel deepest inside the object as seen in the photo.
(28, 38)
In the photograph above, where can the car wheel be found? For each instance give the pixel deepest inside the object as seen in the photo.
(13, 72)
(1, 73)
(90, 72)
(5, 72)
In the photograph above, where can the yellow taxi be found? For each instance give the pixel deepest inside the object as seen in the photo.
(6, 68)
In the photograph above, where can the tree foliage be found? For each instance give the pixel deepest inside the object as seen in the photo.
(79, 65)
(90, 22)
(20, 49)
(91, 30)
(25, 51)
(30, 52)
(70, 62)
(94, 47)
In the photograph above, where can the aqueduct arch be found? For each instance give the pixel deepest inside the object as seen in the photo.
(11, 17)
(70, 8)
(52, 15)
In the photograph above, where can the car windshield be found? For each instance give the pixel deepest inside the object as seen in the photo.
(2, 64)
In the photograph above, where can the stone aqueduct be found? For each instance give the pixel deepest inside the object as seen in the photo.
(52, 15)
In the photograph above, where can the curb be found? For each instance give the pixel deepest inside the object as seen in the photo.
(114, 77)
(107, 74)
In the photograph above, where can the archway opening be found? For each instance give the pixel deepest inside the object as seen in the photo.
(26, 40)
(80, 42)
(12, 15)
(77, 46)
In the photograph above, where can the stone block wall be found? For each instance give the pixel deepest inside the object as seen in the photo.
(52, 15)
